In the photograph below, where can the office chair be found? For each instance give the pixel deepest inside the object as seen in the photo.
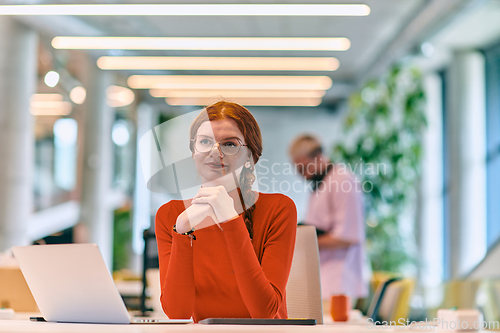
(303, 291)
(395, 303)
(375, 305)
(488, 299)
(150, 260)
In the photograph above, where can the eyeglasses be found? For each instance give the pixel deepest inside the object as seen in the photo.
(229, 147)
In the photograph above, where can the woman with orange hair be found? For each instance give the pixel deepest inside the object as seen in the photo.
(214, 262)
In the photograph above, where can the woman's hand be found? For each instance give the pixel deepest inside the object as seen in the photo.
(196, 216)
(218, 198)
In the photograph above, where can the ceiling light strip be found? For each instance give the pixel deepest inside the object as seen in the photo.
(189, 9)
(219, 63)
(247, 101)
(49, 112)
(202, 43)
(162, 93)
(48, 108)
(222, 82)
(46, 97)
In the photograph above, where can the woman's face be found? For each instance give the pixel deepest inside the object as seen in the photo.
(212, 165)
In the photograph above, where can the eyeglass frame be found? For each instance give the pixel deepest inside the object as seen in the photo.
(218, 146)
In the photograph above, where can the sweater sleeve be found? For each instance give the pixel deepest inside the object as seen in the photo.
(175, 256)
(262, 285)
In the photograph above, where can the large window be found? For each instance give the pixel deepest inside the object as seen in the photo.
(493, 143)
(55, 161)
(446, 184)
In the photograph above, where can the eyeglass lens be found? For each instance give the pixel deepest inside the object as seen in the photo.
(204, 144)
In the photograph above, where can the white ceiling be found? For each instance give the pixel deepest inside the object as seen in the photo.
(369, 35)
(374, 39)
(475, 28)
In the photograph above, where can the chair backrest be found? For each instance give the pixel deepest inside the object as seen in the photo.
(303, 291)
(153, 281)
(14, 291)
(395, 303)
(488, 299)
(460, 294)
(150, 260)
(378, 297)
(402, 308)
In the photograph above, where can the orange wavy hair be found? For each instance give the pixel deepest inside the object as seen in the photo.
(248, 126)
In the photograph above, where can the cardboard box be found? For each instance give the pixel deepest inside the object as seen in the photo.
(14, 291)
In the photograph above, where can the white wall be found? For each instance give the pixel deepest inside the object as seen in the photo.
(488, 268)
(279, 127)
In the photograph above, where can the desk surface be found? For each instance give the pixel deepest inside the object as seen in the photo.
(21, 324)
(25, 326)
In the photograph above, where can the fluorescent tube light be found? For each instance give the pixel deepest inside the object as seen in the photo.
(247, 101)
(49, 105)
(189, 9)
(202, 43)
(46, 97)
(50, 108)
(222, 82)
(219, 63)
(162, 93)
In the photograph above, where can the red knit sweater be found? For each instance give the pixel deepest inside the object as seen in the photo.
(225, 274)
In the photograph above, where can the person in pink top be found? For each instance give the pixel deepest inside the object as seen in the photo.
(336, 210)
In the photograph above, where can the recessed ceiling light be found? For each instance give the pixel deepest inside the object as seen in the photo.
(219, 63)
(51, 79)
(189, 9)
(78, 95)
(223, 82)
(202, 43)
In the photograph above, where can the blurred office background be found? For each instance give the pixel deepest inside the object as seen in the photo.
(410, 87)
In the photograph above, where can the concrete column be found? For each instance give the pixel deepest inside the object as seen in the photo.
(430, 212)
(18, 59)
(97, 215)
(141, 212)
(142, 195)
(467, 154)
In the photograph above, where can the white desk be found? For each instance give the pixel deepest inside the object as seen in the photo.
(21, 324)
(25, 326)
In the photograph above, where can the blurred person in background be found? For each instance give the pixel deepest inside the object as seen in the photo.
(336, 210)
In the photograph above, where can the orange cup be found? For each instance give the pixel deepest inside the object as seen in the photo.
(339, 307)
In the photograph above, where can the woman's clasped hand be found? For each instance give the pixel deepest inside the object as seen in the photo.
(219, 199)
(211, 205)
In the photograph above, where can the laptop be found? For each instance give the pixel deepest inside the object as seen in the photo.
(71, 283)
